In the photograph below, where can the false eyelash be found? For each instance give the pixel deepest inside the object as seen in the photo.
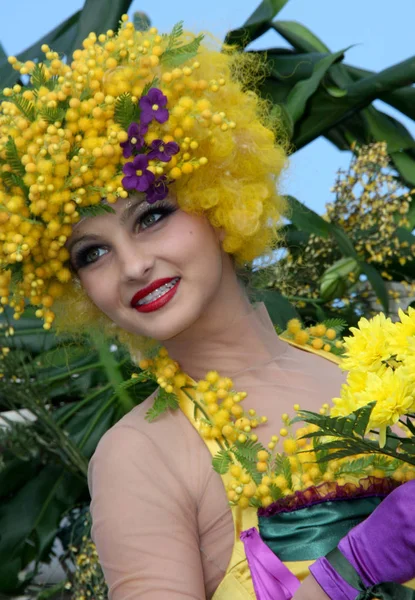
(163, 207)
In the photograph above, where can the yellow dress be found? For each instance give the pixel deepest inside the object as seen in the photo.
(237, 582)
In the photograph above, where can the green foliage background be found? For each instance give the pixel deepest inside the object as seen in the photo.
(75, 388)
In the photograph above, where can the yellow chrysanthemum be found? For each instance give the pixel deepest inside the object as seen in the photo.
(404, 331)
(392, 391)
(369, 345)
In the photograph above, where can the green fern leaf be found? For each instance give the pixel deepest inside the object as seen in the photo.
(276, 493)
(95, 210)
(179, 55)
(52, 82)
(163, 402)
(11, 180)
(151, 84)
(126, 111)
(175, 35)
(51, 115)
(26, 107)
(38, 77)
(282, 467)
(221, 462)
(13, 157)
(255, 502)
(337, 324)
(245, 454)
(356, 467)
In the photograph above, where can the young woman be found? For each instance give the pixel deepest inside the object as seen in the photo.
(136, 180)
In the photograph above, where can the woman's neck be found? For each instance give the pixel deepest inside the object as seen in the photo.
(230, 340)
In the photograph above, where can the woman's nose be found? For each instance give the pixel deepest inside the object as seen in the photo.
(135, 262)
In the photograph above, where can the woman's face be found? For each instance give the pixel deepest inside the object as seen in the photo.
(151, 268)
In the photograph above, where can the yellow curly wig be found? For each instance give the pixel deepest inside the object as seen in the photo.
(60, 154)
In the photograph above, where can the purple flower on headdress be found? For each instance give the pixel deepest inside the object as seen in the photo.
(137, 176)
(135, 140)
(152, 107)
(162, 150)
(157, 191)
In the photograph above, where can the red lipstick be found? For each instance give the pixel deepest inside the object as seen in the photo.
(157, 303)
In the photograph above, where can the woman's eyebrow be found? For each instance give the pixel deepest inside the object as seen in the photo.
(130, 210)
(86, 236)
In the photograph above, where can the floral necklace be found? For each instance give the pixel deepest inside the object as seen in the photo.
(257, 476)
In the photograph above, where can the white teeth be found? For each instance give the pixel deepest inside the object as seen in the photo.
(158, 292)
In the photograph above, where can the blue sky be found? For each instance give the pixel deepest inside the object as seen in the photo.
(381, 33)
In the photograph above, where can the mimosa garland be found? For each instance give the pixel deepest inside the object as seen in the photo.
(262, 475)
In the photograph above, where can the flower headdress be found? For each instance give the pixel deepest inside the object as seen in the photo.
(134, 112)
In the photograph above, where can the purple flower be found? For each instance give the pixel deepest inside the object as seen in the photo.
(157, 191)
(163, 151)
(152, 107)
(137, 176)
(135, 140)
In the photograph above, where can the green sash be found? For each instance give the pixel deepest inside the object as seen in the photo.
(311, 532)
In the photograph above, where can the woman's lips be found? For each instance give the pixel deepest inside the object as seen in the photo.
(166, 294)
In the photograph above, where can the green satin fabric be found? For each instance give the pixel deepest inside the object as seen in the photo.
(311, 532)
(383, 591)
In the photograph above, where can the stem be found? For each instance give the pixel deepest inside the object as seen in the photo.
(69, 373)
(306, 300)
(112, 369)
(95, 421)
(81, 403)
(204, 413)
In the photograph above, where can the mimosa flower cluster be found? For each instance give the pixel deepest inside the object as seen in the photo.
(380, 358)
(257, 476)
(131, 112)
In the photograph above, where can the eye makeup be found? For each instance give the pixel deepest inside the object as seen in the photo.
(88, 252)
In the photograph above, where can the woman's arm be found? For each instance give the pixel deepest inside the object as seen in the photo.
(144, 521)
(310, 590)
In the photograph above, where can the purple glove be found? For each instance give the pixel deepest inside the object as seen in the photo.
(381, 548)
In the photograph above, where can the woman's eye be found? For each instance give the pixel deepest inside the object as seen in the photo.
(150, 219)
(93, 254)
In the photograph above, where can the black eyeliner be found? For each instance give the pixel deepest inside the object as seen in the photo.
(165, 208)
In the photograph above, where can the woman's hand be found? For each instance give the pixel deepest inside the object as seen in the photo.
(380, 549)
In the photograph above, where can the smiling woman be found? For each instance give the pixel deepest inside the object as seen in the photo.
(134, 182)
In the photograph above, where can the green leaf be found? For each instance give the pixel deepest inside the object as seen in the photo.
(299, 36)
(51, 115)
(126, 111)
(163, 402)
(13, 158)
(99, 16)
(276, 493)
(38, 77)
(306, 219)
(303, 90)
(279, 308)
(256, 25)
(180, 54)
(151, 84)
(221, 462)
(337, 324)
(95, 210)
(60, 39)
(282, 466)
(246, 455)
(174, 36)
(362, 419)
(376, 281)
(37, 508)
(26, 107)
